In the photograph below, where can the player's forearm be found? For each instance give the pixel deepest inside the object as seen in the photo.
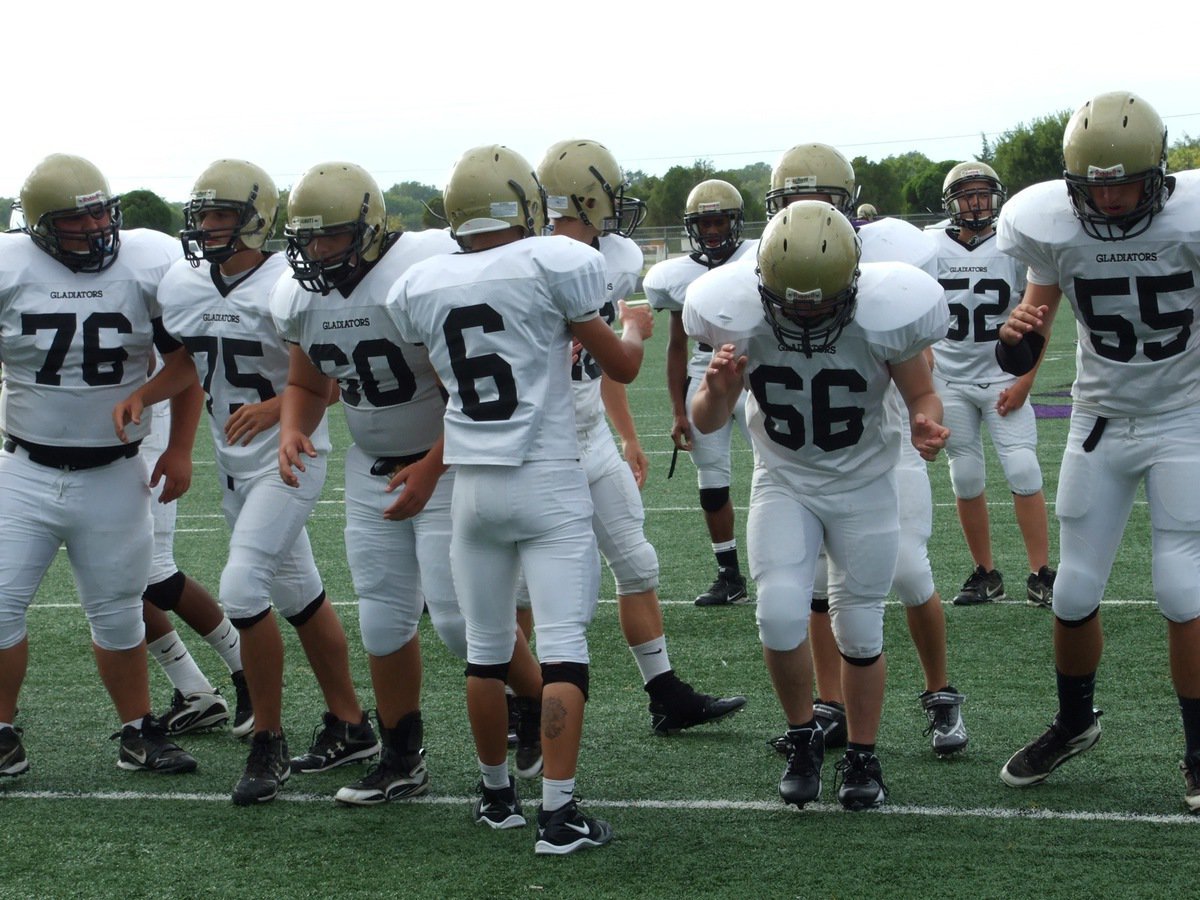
(616, 404)
(301, 409)
(711, 408)
(185, 416)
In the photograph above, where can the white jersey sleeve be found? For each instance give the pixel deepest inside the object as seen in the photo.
(495, 323)
(894, 240)
(1135, 300)
(392, 401)
(240, 358)
(982, 287)
(666, 286)
(623, 261)
(74, 344)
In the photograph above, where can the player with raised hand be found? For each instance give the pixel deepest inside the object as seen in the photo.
(818, 171)
(818, 342)
(79, 320)
(1120, 240)
(398, 490)
(498, 320)
(714, 216)
(215, 303)
(585, 195)
(982, 286)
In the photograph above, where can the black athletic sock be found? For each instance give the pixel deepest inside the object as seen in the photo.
(1076, 694)
(1190, 707)
(728, 559)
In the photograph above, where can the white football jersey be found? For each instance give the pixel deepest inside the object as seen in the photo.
(495, 322)
(393, 403)
(982, 287)
(666, 286)
(1135, 301)
(623, 261)
(74, 344)
(820, 423)
(239, 356)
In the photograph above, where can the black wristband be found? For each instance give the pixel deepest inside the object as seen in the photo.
(1021, 358)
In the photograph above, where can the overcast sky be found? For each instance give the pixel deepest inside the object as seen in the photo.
(153, 92)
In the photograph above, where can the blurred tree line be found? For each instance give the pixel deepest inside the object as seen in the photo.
(908, 185)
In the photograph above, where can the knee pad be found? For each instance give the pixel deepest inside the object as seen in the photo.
(913, 581)
(499, 671)
(820, 605)
(782, 616)
(568, 673)
(165, 594)
(713, 499)
(1175, 571)
(383, 629)
(1075, 623)
(298, 619)
(861, 661)
(1022, 471)
(968, 476)
(1077, 596)
(858, 630)
(117, 629)
(242, 622)
(637, 571)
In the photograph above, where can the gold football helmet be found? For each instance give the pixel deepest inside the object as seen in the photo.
(707, 200)
(963, 182)
(1114, 139)
(66, 187)
(329, 200)
(809, 169)
(237, 185)
(492, 188)
(808, 275)
(584, 181)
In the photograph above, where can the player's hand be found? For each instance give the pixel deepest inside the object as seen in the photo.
(293, 447)
(725, 371)
(175, 468)
(638, 463)
(576, 350)
(640, 317)
(928, 436)
(250, 419)
(416, 484)
(1022, 320)
(681, 433)
(1012, 398)
(126, 412)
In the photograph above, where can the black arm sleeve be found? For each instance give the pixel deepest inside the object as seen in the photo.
(1023, 357)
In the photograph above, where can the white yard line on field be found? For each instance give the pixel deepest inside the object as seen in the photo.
(997, 813)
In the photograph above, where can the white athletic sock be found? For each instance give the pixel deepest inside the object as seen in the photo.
(226, 641)
(178, 665)
(723, 546)
(651, 658)
(557, 794)
(495, 778)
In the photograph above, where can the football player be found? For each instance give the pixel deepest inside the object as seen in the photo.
(817, 344)
(713, 217)
(1121, 241)
(195, 703)
(215, 303)
(332, 316)
(79, 317)
(818, 171)
(866, 213)
(982, 285)
(586, 201)
(498, 320)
